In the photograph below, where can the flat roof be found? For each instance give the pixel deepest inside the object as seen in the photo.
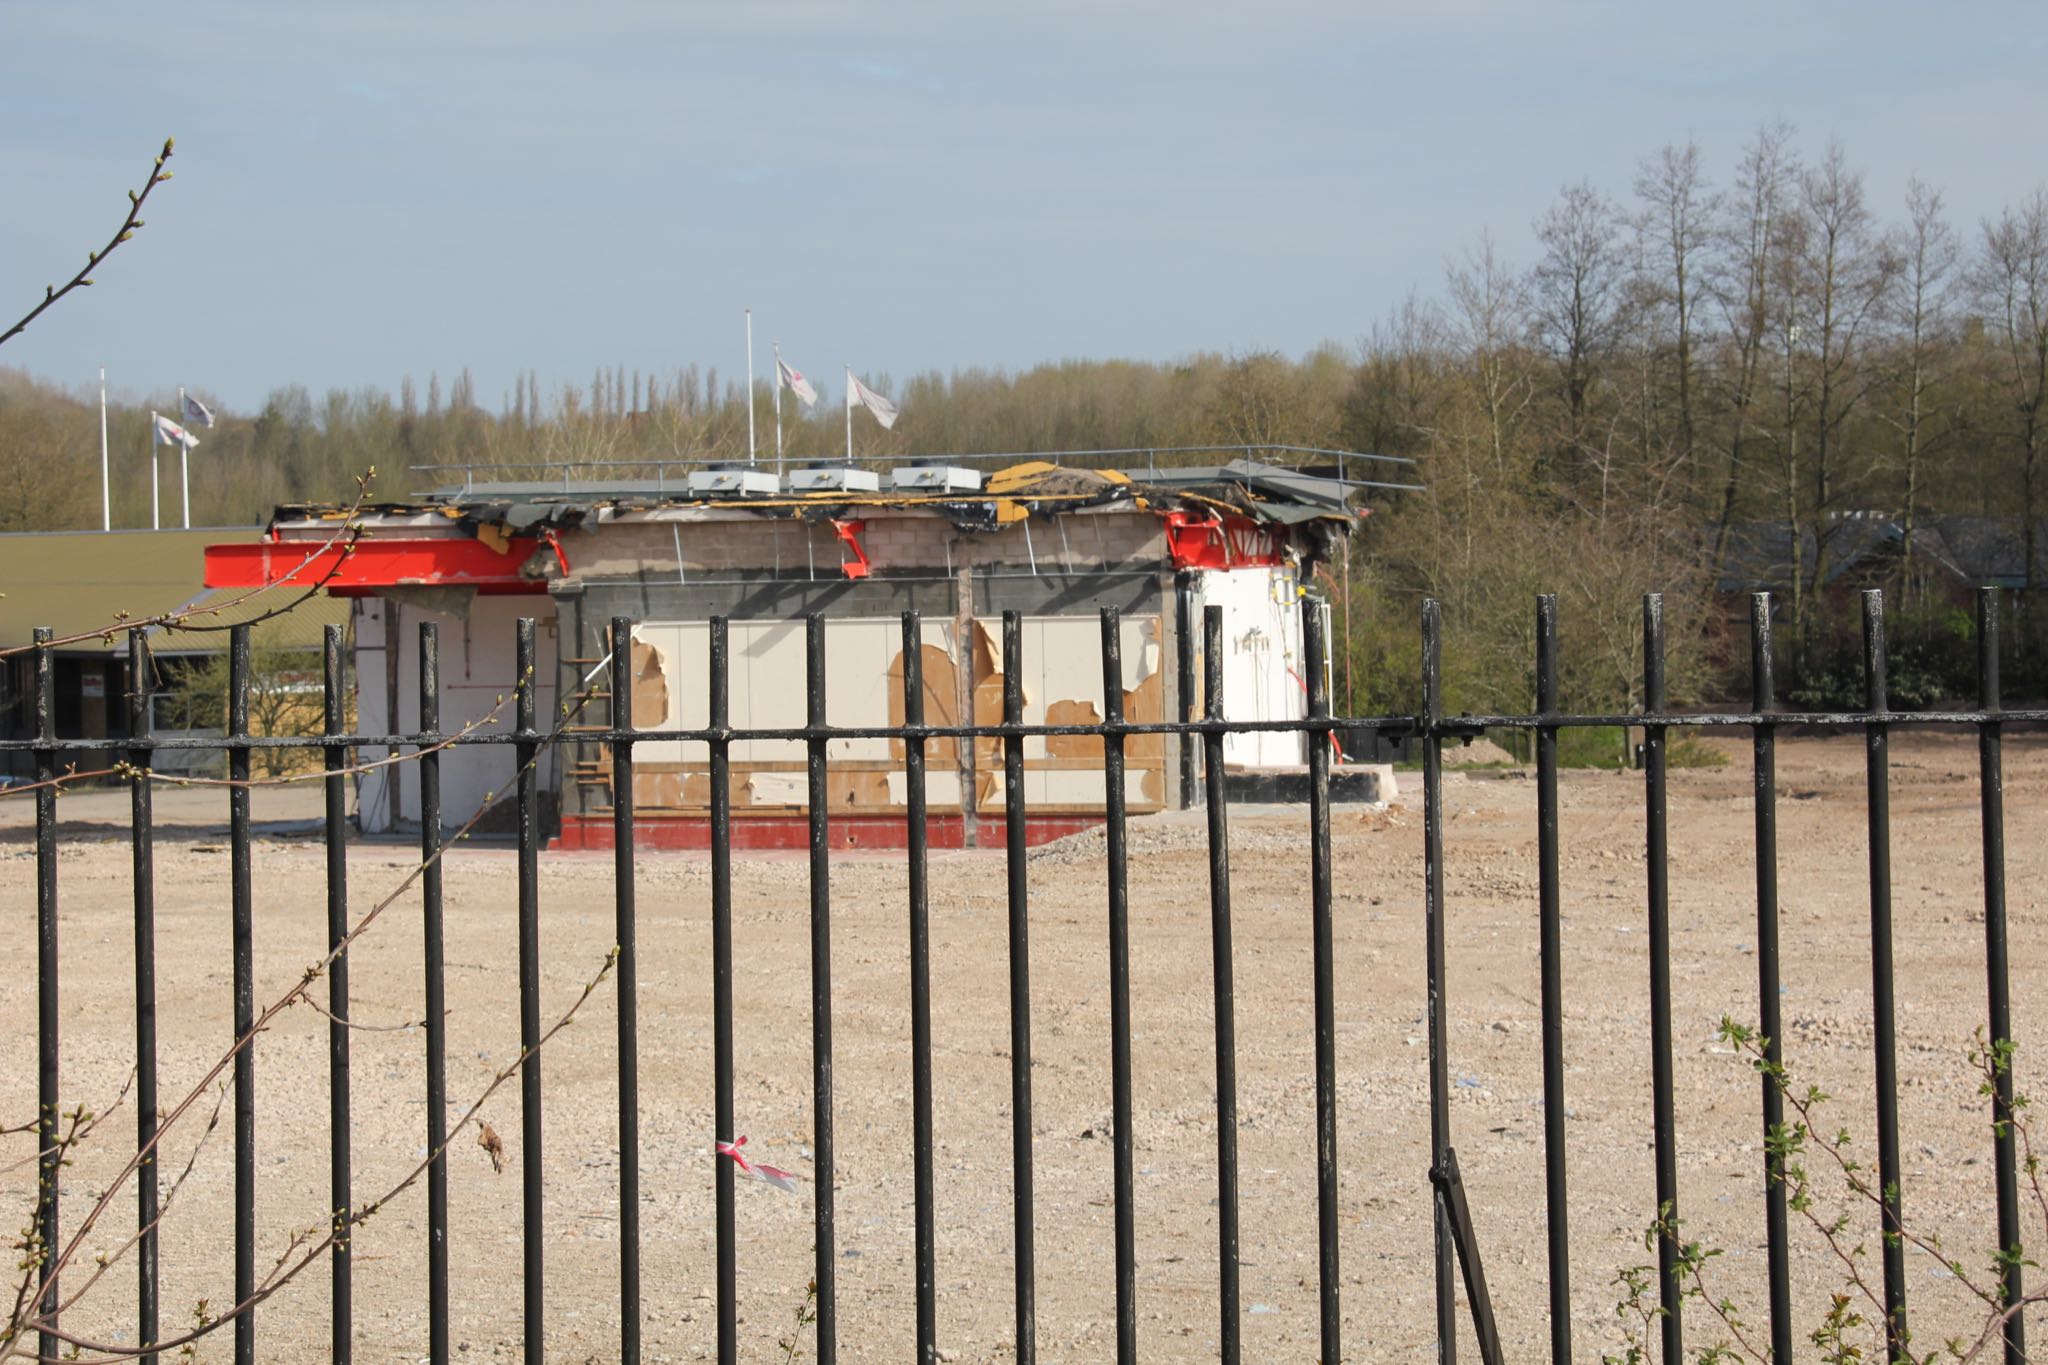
(82, 582)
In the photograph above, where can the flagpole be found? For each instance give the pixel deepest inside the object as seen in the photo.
(156, 519)
(106, 488)
(849, 414)
(185, 460)
(778, 407)
(750, 386)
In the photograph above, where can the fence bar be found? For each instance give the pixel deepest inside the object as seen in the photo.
(1657, 848)
(1549, 928)
(533, 1217)
(1316, 661)
(340, 1199)
(142, 846)
(824, 1239)
(1883, 999)
(1227, 1238)
(920, 992)
(242, 898)
(1764, 765)
(436, 993)
(48, 1165)
(1433, 954)
(624, 912)
(1118, 850)
(721, 991)
(1185, 644)
(1024, 1220)
(1997, 968)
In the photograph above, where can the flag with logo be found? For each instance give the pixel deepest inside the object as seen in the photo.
(198, 412)
(882, 408)
(792, 378)
(169, 433)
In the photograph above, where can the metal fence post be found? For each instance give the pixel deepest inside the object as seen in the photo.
(1883, 995)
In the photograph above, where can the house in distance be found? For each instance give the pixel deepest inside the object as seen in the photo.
(1052, 538)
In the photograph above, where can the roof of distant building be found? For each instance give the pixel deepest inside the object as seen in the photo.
(94, 583)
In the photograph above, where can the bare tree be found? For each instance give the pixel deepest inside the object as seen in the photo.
(1575, 295)
(1927, 252)
(1848, 273)
(1675, 215)
(2011, 288)
(1482, 323)
(1752, 233)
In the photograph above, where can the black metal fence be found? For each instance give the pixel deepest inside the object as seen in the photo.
(1457, 1251)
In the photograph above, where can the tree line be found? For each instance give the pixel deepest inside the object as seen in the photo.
(1709, 351)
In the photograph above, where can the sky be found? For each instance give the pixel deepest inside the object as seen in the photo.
(371, 190)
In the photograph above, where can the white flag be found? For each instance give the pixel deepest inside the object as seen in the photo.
(196, 411)
(882, 408)
(792, 378)
(169, 433)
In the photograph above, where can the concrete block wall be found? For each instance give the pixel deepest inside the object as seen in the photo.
(895, 539)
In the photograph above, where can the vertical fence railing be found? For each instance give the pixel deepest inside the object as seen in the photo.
(825, 1244)
(1434, 954)
(1769, 987)
(1998, 966)
(921, 1134)
(142, 850)
(1877, 744)
(1550, 957)
(341, 1201)
(243, 898)
(48, 1168)
(1024, 1227)
(1323, 930)
(724, 1176)
(1664, 1121)
(433, 956)
(1201, 733)
(1215, 797)
(533, 1216)
(626, 937)
(1118, 865)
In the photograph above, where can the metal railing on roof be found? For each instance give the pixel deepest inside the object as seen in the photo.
(1293, 458)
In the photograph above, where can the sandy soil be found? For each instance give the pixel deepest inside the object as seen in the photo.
(1385, 1203)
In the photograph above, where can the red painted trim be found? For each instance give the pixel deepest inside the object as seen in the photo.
(375, 562)
(762, 833)
(1195, 541)
(848, 530)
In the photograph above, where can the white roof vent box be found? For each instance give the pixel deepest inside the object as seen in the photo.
(834, 478)
(733, 481)
(935, 478)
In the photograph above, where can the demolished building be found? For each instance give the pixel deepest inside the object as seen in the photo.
(1052, 540)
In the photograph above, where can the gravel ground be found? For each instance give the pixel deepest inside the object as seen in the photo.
(1384, 1207)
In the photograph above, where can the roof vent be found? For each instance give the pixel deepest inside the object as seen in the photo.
(934, 478)
(834, 478)
(733, 481)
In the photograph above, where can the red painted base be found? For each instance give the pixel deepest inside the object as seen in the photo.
(594, 832)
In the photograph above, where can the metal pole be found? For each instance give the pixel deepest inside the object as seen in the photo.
(1877, 764)
(185, 461)
(1997, 961)
(750, 386)
(1656, 844)
(1549, 928)
(1123, 1178)
(1764, 763)
(106, 488)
